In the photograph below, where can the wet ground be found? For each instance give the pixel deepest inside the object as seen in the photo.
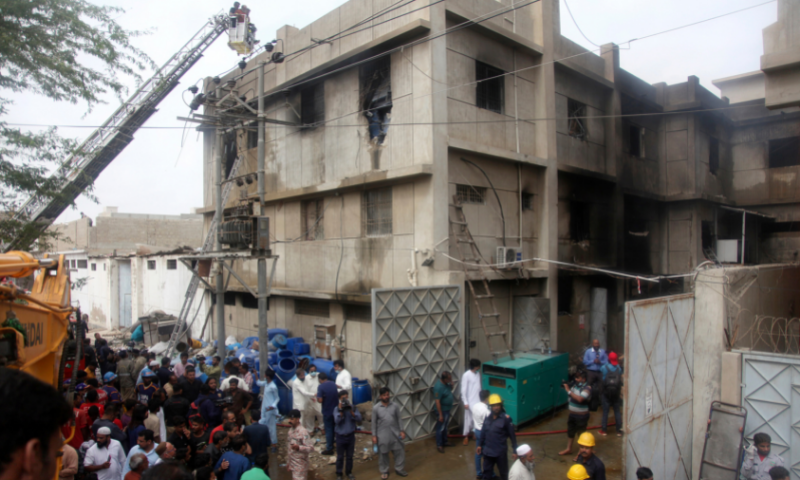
(423, 461)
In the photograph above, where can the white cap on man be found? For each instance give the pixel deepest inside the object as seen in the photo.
(104, 431)
(523, 450)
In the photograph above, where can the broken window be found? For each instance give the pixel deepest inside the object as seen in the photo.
(172, 264)
(252, 135)
(151, 264)
(312, 105)
(579, 221)
(229, 151)
(470, 194)
(376, 96)
(707, 237)
(564, 295)
(576, 112)
(83, 264)
(527, 201)
(249, 301)
(312, 308)
(784, 152)
(376, 211)
(636, 141)
(230, 298)
(490, 91)
(312, 212)
(713, 155)
(94, 267)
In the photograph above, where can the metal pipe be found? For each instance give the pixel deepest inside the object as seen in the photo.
(220, 281)
(263, 336)
(744, 224)
(260, 150)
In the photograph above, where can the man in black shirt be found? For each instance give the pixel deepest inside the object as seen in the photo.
(180, 436)
(257, 436)
(586, 457)
(176, 406)
(164, 372)
(198, 436)
(190, 385)
(242, 401)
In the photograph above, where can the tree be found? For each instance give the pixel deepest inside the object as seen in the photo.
(66, 50)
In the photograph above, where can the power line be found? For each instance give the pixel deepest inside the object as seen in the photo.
(578, 26)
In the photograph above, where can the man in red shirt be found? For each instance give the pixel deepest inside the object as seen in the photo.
(81, 429)
(92, 400)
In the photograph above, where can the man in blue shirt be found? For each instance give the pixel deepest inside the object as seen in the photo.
(269, 404)
(492, 443)
(611, 393)
(345, 416)
(593, 360)
(328, 396)
(443, 399)
(257, 436)
(237, 462)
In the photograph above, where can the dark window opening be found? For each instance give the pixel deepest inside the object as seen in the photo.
(94, 267)
(249, 301)
(470, 194)
(172, 264)
(713, 155)
(312, 105)
(527, 201)
(490, 91)
(358, 312)
(784, 152)
(312, 308)
(564, 295)
(73, 264)
(83, 264)
(779, 227)
(636, 141)
(229, 151)
(579, 221)
(252, 135)
(576, 112)
(230, 298)
(377, 212)
(151, 264)
(312, 214)
(376, 96)
(707, 237)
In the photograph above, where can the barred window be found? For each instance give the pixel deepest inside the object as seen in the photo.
(577, 119)
(527, 201)
(470, 194)
(490, 88)
(172, 264)
(377, 212)
(83, 264)
(312, 308)
(151, 264)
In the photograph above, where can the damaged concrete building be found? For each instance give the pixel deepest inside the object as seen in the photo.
(552, 152)
(125, 265)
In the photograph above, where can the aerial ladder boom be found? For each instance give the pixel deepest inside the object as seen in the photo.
(105, 144)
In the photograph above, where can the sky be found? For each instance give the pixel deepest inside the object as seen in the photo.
(161, 171)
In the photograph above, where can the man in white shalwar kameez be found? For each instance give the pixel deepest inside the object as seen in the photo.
(301, 397)
(523, 467)
(470, 394)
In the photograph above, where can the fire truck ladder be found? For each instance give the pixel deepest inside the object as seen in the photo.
(208, 245)
(106, 143)
(459, 230)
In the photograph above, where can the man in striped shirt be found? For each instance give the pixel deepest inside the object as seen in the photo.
(579, 393)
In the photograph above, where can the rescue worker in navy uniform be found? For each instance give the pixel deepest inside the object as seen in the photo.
(595, 467)
(497, 429)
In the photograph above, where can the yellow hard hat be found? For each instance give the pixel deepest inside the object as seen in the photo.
(577, 472)
(586, 439)
(495, 399)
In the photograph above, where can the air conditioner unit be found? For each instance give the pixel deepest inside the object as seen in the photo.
(506, 257)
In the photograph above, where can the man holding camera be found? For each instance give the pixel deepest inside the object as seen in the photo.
(579, 393)
(345, 418)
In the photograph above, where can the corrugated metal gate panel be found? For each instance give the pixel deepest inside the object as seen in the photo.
(531, 323)
(417, 334)
(658, 384)
(770, 395)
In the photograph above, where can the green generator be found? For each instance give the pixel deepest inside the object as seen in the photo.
(530, 385)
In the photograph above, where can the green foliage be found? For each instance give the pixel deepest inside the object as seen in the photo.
(66, 50)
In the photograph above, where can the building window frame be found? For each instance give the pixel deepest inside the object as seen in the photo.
(172, 264)
(468, 194)
(490, 87)
(784, 152)
(312, 106)
(151, 264)
(636, 135)
(312, 308)
(576, 119)
(376, 212)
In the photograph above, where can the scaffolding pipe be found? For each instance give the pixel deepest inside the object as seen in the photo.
(744, 223)
(220, 282)
(260, 150)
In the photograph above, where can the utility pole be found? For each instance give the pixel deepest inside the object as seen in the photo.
(220, 282)
(263, 335)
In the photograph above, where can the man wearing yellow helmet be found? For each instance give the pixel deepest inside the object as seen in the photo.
(492, 444)
(595, 468)
(577, 472)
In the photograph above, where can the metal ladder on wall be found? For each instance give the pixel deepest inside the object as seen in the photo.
(459, 230)
(208, 245)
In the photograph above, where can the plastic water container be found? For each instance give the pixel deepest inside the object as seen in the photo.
(285, 368)
(234, 347)
(277, 331)
(248, 342)
(301, 349)
(362, 392)
(291, 342)
(279, 341)
(285, 354)
(326, 367)
(284, 399)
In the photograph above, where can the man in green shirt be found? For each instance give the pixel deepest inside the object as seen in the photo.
(214, 370)
(259, 471)
(443, 394)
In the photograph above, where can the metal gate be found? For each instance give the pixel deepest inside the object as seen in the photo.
(531, 323)
(658, 386)
(770, 384)
(417, 333)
